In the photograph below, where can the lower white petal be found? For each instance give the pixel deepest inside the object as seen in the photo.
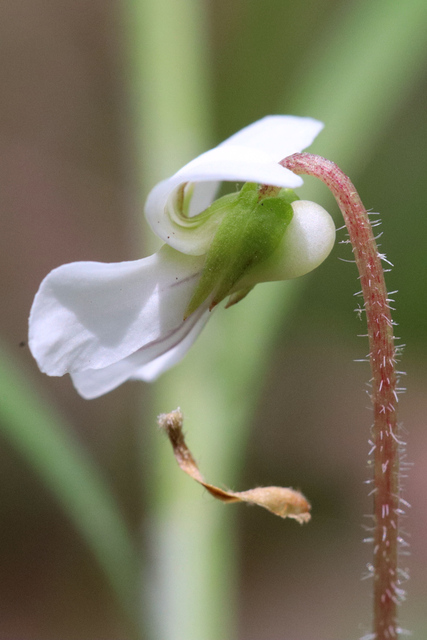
(93, 383)
(89, 315)
(155, 368)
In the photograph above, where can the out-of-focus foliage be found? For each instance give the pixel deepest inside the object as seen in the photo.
(70, 191)
(41, 437)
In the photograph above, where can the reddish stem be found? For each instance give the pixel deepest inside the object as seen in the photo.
(384, 398)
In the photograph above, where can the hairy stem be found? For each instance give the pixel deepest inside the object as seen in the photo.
(384, 397)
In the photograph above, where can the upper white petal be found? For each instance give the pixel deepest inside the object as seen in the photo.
(236, 163)
(279, 136)
(251, 155)
(89, 315)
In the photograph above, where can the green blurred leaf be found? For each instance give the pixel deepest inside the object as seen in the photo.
(359, 72)
(39, 434)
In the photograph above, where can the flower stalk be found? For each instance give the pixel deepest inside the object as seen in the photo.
(385, 440)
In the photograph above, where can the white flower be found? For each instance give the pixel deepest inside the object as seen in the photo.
(107, 323)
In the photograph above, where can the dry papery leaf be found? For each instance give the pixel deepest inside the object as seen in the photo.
(281, 501)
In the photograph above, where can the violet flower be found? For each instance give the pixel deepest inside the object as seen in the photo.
(107, 323)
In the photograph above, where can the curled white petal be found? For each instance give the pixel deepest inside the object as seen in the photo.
(306, 243)
(89, 315)
(251, 155)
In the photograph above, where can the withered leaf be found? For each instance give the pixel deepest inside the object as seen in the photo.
(283, 502)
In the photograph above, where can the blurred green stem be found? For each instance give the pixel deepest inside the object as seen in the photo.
(187, 596)
(170, 80)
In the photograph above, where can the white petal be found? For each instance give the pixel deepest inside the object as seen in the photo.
(279, 136)
(236, 164)
(251, 155)
(309, 238)
(89, 315)
(93, 383)
(307, 242)
(155, 368)
(203, 195)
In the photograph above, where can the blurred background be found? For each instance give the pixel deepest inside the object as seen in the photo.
(100, 99)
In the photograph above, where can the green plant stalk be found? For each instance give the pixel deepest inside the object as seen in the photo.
(385, 433)
(211, 388)
(185, 597)
(46, 443)
(169, 85)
